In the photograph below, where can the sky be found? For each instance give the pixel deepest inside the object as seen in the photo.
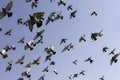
(108, 20)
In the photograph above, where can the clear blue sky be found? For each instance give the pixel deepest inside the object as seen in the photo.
(108, 19)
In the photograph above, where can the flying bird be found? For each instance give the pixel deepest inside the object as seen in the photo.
(105, 49)
(89, 59)
(9, 67)
(52, 63)
(61, 2)
(114, 58)
(82, 38)
(36, 61)
(112, 52)
(3, 53)
(50, 50)
(20, 60)
(22, 40)
(73, 14)
(45, 69)
(69, 7)
(29, 45)
(34, 4)
(68, 47)
(19, 21)
(102, 78)
(82, 72)
(58, 16)
(26, 73)
(63, 40)
(42, 77)
(8, 32)
(96, 34)
(39, 34)
(6, 11)
(55, 71)
(94, 13)
(75, 62)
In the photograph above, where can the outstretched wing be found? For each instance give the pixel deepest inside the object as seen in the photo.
(9, 6)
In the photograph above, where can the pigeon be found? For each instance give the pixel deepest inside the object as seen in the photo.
(105, 49)
(52, 63)
(82, 38)
(102, 78)
(75, 62)
(69, 7)
(48, 57)
(75, 75)
(114, 58)
(45, 69)
(29, 65)
(32, 21)
(21, 40)
(38, 41)
(96, 34)
(39, 34)
(7, 48)
(20, 61)
(21, 78)
(34, 4)
(29, 45)
(42, 77)
(63, 40)
(9, 67)
(26, 73)
(89, 59)
(55, 71)
(39, 15)
(8, 32)
(13, 47)
(36, 62)
(3, 53)
(68, 47)
(70, 77)
(6, 11)
(94, 13)
(82, 72)
(50, 17)
(61, 2)
(112, 52)
(19, 21)
(59, 16)
(50, 50)
(73, 14)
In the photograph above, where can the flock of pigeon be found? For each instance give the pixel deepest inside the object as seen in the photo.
(37, 19)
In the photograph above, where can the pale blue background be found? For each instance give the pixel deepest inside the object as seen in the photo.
(108, 19)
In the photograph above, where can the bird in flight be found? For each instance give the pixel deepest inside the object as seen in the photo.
(73, 14)
(105, 49)
(82, 38)
(114, 58)
(94, 13)
(6, 11)
(96, 34)
(20, 60)
(89, 59)
(102, 78)
(112, 52)
(61, 2)
(63, 40)
(8, 32)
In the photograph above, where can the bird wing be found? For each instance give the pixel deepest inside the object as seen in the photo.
(2, 14)
(9, 6)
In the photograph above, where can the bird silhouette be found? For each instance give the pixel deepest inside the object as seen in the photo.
(63, 40)
(102, 78)
(89, 59)
(61, 2)
(112, 52)
(82, 38)
(3, 53)
(9, 67)
(29, 45)
(105, 49)
(73, 14)
(8, 32)
(20, 60)
(22, 40)
(114, 58)
(39, 34)
(96, 34)
(6, 11)
(94, 13)
(69, 7)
